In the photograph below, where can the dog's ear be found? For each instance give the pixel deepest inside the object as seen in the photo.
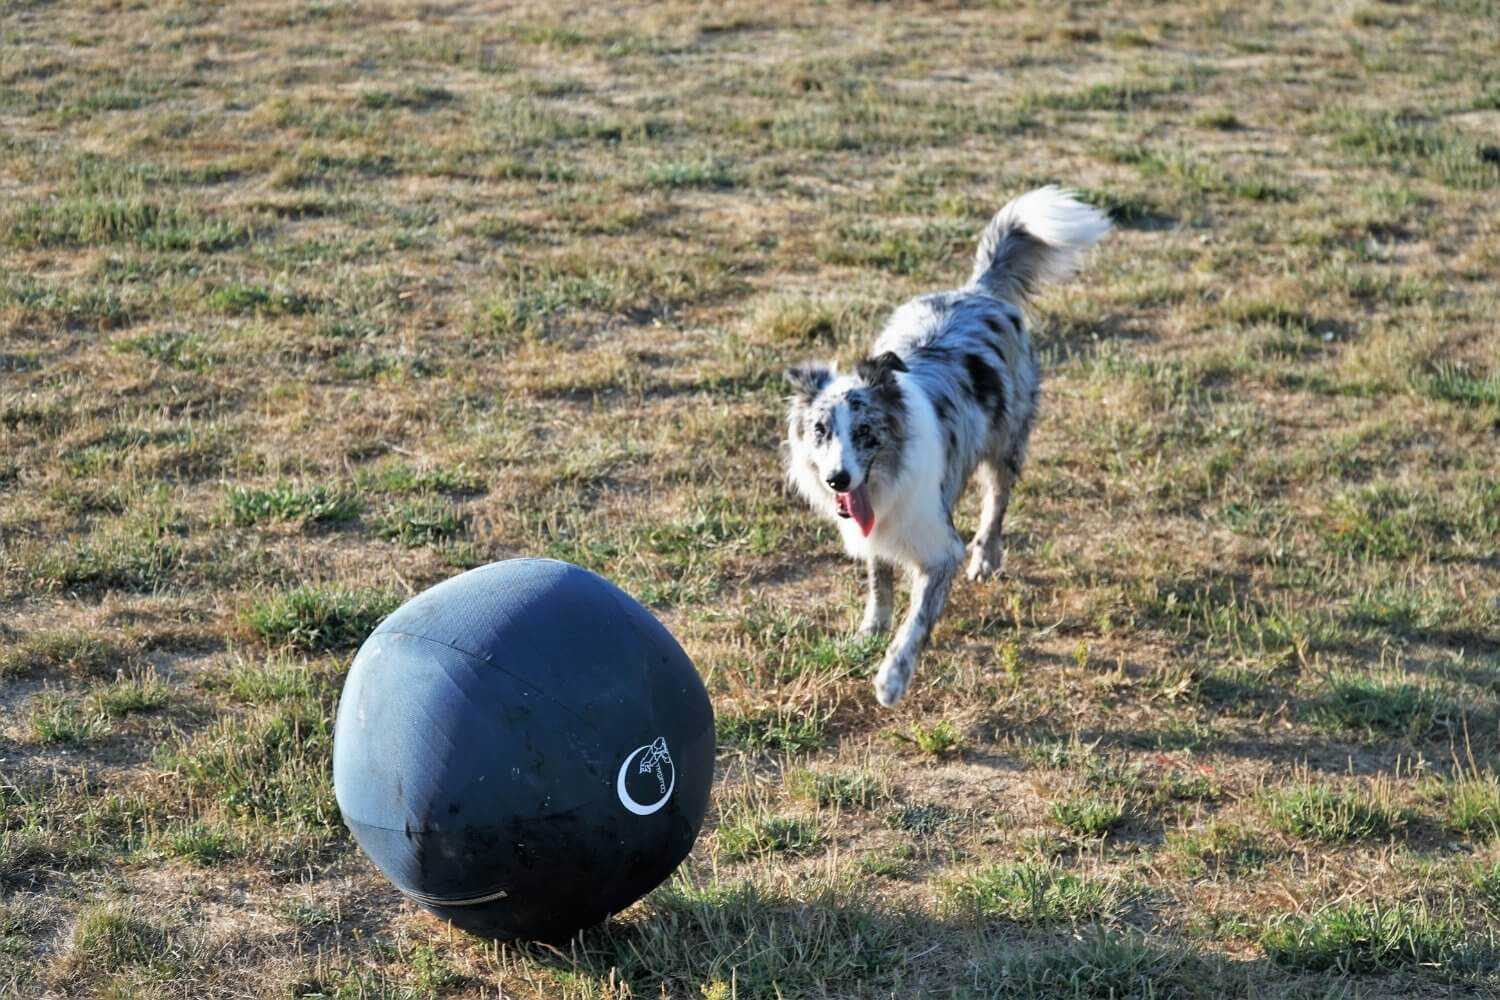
(809, 378)
(881, 370)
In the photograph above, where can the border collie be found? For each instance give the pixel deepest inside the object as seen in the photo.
(948, 392)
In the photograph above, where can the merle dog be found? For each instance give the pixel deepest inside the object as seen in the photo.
(949, 391)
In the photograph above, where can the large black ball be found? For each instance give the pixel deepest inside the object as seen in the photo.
(524, 750)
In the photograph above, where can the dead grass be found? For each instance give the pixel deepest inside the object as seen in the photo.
(305, 307)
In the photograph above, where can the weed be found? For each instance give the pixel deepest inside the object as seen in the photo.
(318, 619)
(1032, 892)
(939, 739)
(1364, 938)
(287, 502)
(773, 730)
(756, 834)
(1089, 814)
(1318, 812)
(421, 522)
(845, 788)
(64, 719)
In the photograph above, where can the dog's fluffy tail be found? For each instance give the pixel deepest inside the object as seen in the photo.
(1037, 237)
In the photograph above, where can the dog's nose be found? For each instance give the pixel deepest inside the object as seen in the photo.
(839, 481)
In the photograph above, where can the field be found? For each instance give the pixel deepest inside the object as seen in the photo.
(305, 307)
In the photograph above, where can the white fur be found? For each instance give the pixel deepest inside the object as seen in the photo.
(1055, 216)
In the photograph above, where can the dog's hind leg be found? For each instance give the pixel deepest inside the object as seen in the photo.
(929, 592)
(882, 582)
(987, 550)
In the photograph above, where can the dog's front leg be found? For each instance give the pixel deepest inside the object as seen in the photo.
(929, 592)
(882, 578)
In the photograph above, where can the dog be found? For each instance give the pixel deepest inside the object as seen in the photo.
(948, 392)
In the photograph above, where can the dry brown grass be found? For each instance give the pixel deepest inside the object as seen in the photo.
(304, 307)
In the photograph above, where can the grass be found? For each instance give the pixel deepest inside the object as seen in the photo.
(772, 730)
(1032, 893)
(270, 769)
(111, 936)
(318, 619)
(77, 654)
(309, 307)
(421, 522)
(1471, 805)
(1375, 705)
(938, 739)
(844, 788)
(1366, 938)
(287, 502)
(1089, 814)
(1221, 848)
(756, 835)
(60, 719)
(1318, 812)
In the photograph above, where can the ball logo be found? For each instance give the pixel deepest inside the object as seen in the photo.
(649, 774)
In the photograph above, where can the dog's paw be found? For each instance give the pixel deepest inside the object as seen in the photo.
(982, 565)
(891, 682)
(870, 629)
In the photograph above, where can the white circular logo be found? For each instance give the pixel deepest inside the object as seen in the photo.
(656, 761)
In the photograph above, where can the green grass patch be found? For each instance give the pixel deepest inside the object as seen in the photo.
(1104, 963)
(710, 173)
(1471, 805)
(184, 351)
(111, 936)
(1089, 814)
(1220, 848)
(128, 695)
(120, 560)
(271, 768)
(201, 844)
(1368, 938)
(423, 521)
(75, 653)
(315, 504)
(61, 719)
(1460, 384)
(845, 788)
(1032, 892)
(825, 939)
(403, 479)
(773, 730)
(923, 819)
(938, 739)
(1318, 812)
(239, 299)
(1386, 138)
(1376, 705)
(757, 834)
(320, 619)
(93, 221)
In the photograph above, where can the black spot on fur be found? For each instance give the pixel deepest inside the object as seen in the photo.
(809, 378)
(943, 407)
(997, 325)
(985, 382)
(880, 370)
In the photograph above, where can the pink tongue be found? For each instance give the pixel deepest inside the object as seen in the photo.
(858, 501)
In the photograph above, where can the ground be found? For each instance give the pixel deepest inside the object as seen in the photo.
(307, 306)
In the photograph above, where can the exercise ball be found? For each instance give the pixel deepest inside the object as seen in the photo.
(523, 750)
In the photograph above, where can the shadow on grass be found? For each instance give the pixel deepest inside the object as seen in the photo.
(754, 939)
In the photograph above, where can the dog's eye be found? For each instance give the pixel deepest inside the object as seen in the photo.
(820, 430)
(864, 436)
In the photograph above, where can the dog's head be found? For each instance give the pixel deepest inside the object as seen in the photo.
(847, 429)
